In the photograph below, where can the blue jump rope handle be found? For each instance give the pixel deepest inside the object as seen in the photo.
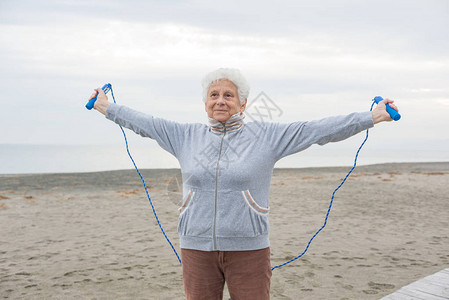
(393, 113)
(106, 88)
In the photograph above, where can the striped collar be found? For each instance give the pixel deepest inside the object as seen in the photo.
(234, 123)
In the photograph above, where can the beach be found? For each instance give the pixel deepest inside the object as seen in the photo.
(94, 235)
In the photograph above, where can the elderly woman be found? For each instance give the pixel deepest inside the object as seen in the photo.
(227, 167)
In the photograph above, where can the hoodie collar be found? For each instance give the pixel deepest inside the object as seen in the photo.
(234, 123)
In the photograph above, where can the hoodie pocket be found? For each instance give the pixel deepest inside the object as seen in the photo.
(253, 205)
(240, 216)
(186, 202)
(196, 214)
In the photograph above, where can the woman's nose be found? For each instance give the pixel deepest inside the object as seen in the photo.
(221, 100)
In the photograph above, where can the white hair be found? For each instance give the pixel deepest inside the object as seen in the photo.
(230, 74)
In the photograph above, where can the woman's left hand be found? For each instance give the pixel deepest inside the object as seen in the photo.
(102, 102)
(380, 113)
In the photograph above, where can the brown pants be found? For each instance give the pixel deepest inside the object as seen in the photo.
(247, 274)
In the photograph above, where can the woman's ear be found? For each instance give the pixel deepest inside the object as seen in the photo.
(243, 106)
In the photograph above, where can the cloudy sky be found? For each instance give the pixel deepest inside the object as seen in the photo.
(313, 58)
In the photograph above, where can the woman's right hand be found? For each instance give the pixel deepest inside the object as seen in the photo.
(102, 102)
(380, 113)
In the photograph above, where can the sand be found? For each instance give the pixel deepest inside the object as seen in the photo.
(94, 236)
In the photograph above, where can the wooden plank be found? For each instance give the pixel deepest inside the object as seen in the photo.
(432, 287)
(405, 294)
(417, 294)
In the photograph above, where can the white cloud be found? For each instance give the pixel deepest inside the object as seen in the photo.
(163, 48)
(316, 58)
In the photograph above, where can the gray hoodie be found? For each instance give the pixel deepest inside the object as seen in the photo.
(227, 172)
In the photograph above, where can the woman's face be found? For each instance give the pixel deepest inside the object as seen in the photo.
(223, 100)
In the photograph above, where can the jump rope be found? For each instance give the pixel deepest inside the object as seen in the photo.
(393, 114)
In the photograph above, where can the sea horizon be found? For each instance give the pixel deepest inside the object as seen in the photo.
(41, 159)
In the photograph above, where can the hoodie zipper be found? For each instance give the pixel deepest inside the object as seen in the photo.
(216, 190)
